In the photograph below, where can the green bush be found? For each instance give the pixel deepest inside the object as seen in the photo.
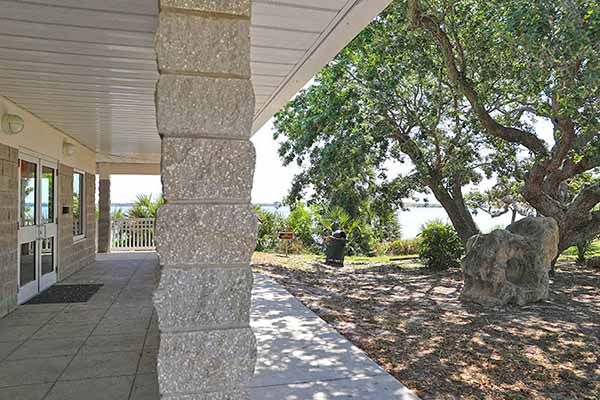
(402, 247)
(145, 206)
(441, 247)
(358, 234)
(300, 221)
(270, 224)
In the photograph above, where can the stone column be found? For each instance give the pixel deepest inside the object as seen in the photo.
(104, 223)
(206, 231)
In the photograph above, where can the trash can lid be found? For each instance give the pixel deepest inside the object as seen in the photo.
(339, 234)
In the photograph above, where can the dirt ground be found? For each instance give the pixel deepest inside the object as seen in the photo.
(411, 322)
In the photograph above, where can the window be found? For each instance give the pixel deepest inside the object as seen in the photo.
(78, 205)
(28, 193)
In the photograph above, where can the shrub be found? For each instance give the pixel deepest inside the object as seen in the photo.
(145, 206)
(300, 221)
(270, 224)
(441, 247)
(330, 219)
(403, 247)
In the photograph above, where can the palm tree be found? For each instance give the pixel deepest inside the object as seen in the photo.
(145, 207)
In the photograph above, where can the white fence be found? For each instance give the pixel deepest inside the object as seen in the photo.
(132, 234)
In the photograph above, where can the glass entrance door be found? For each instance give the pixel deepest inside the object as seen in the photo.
(37, 226)
(48, 226)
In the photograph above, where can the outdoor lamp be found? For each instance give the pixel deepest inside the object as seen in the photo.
(68, 148)
(12, 124)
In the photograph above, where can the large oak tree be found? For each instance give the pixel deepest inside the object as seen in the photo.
(456, 87)
(514, 60)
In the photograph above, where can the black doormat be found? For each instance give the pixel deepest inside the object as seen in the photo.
(66, 294)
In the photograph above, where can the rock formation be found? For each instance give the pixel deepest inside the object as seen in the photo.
(511, 265)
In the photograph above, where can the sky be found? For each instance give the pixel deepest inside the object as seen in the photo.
(271, 180)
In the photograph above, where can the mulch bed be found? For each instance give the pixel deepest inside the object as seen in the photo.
(411, 322)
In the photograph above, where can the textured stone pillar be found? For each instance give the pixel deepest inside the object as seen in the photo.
(104, 228)
(206, 231)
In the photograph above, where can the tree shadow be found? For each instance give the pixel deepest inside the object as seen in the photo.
(411, 322)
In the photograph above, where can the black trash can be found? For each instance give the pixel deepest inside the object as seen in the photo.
(335, 248)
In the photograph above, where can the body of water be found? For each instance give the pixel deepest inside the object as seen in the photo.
(412, 221)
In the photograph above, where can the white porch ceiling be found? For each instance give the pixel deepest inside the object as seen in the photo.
(88, 67)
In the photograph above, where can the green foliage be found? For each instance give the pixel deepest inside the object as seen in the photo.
(382, 102)
(504, 197)
(311, 225)
(592, 249)
(441, 248)
(270, 224)
(145, 207)
(300, 221)
(518, 63)
(75, 205)
(401, 247)
(118, 214)
(390, 97)
(359, 234)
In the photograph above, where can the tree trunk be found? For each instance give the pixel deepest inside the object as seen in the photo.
(542, 186)
(581, 250)
(459, 214)
(575, 220)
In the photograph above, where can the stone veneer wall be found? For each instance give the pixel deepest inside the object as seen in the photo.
(8, 228)
(75, 255)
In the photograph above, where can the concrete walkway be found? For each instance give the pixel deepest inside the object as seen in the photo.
(105, 349)
(300, 357)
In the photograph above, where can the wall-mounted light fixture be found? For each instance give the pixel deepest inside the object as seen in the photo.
(12, 124)
(68, 148)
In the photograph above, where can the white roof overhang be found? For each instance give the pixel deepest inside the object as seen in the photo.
(87, 67)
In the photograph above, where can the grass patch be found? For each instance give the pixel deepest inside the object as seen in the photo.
(571, 253)
(304, 261)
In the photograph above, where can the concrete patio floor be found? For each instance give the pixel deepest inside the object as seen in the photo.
(106, 349)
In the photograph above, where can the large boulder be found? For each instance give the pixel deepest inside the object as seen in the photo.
(511, 265)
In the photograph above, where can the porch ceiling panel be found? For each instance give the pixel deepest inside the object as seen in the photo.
(88, 67)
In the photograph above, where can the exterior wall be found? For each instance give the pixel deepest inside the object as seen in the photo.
(8, 229)
(72, 256)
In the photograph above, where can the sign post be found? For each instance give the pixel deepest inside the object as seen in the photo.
(287, 237)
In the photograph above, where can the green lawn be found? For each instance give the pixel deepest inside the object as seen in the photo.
(571, 253)
(296, 260)
(568, 255)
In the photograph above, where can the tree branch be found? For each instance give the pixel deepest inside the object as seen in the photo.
(586, 200)
(514, 135)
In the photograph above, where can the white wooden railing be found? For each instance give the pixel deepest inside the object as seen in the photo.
(132, 234)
